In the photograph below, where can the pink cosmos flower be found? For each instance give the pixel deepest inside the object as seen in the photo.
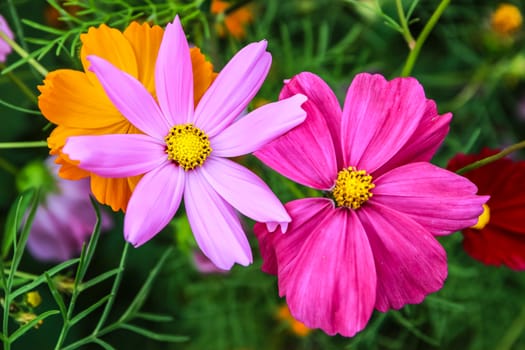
(184, 150)
(369, 243)
(65, 219)
(5, 49)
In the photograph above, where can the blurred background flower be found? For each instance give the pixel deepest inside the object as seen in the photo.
(5, 49)
(65, 217)
(498, 238)
(506, 19)
(231, 20)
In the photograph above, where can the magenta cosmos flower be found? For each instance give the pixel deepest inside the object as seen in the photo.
(183, 149)
(369, 243)
(5, 48)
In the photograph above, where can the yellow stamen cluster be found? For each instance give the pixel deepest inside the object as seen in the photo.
(483, 219)
(352, 188)
(188, 146)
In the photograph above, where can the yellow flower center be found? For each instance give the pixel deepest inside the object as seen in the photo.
(352, 188)
(188, 146)
(483, 219)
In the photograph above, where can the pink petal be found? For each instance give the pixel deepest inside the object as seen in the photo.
(425, 140)
(326, 268)
(5, 49)
(131, 98)
(410, 262)
(153, 203)
(259, 127)
(439, 200)
(306, 154)
(215, 225)
(244, 190)
(119, 155)
(233, 89)
(322, 102)
(174, 75)
(379, 117)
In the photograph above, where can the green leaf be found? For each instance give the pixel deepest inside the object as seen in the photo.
(102, 277)
(87, 252)
(89, 310)
(153, 317)
(103, 344)
(23, 329)
(141, 296)
(56, 295)
(14, 217)
(155, 336)
(42, 278)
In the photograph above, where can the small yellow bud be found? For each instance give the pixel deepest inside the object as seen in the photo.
(33, 298)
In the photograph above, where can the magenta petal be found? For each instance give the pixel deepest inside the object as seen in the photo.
(215, 225)
(326, 267)
(174, 75)
(410, 262)
(244, 190)
(233, 89)
(153, 203)
(425, 140)
(131, 98)
(259, 127)
(306, 154)
(322, 103)
(119, 155)
(305, 212)
(379, 117)
(439, 200)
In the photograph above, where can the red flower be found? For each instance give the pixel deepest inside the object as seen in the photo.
(499, 237)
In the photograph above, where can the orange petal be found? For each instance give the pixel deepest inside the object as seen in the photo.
(68, 98)
(110, 44)
(114, 192)
(68, 170)
(59, 135)
(203, 74)
(145, 41)
(237, 20)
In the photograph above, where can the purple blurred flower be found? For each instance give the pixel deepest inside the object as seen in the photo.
(65, 218)
(205, 265)
(5, 49)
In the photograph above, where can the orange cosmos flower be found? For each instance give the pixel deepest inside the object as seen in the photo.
(76, 102)
(296, 327)
(506, 19)
(233, 23)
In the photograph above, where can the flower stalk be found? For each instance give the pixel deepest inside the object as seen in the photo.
(414, 53)
(503, 153)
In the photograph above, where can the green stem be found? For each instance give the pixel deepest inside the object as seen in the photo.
(24, 275)
(513, 333)
(404, 24)
(23, 53)
(490, 159)
(21, 85)
(114, 289)
(24, 144)
(7, 166)
(413, 55)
